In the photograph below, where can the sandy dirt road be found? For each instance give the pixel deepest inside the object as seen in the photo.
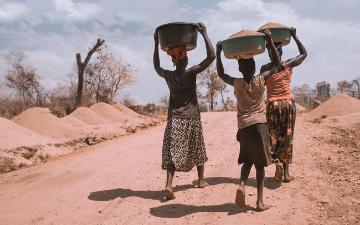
(120, 182)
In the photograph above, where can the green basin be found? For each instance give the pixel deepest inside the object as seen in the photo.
(280, 35)
(243, 47)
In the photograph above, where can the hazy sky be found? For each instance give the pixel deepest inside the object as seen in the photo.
(50, 32)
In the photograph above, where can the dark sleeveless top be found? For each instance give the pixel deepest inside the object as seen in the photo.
(183, 101)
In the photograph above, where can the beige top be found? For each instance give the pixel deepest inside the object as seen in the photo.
(250, 101)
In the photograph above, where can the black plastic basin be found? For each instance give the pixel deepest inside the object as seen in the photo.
(177, 34)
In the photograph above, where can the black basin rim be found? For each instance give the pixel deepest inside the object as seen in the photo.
(174, 23)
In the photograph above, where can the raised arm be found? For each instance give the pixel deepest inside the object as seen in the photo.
(275, 58)
(268, 72)
(209, 51)
(220, 68)
(156, 58)
(303, 54)
(274, 55)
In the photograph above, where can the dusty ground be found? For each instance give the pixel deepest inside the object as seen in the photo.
(120, 182)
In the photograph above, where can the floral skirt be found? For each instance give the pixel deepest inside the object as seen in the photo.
(183, 144)
(281, 116)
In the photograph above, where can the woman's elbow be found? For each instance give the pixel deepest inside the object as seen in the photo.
(305, 55)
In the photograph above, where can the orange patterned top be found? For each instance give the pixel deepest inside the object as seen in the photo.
(278, 85)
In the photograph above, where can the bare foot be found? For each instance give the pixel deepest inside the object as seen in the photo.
(240, 197)
(260, 206)
(202, 183)
(169, 193)
(288, 179)
(279, 173)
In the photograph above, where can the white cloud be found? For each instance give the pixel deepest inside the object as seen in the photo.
(77, 11)
(332, 46)
(11, 11)
(51, 32)
(242, 5)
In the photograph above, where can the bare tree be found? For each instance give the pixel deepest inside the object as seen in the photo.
(357, 82)
(223, 90)
(344, 84)
(202, 101)
(213, 85)
(107, 76)
(164, 103)
(61, 99)
(304, 89)
(127, 101)
(24, 80)
(81, 69)
(230, 103)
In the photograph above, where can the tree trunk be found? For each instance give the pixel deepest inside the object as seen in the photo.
(223, 101)
(81, 68)
(80, 86)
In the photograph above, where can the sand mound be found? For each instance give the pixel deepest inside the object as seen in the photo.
(88, 116)
(338, 105)
(109, 112)
(127, 111)
(73, 121)
(13, 135)
(300, 108)
(41, 121)
(351, 120)
(133, 118)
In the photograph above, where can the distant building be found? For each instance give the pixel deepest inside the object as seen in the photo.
(323, 89)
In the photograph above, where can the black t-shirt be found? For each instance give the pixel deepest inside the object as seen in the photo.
(183, 101)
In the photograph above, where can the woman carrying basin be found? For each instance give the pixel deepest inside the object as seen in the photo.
(281, 109)
(249, 91)
(183, 143)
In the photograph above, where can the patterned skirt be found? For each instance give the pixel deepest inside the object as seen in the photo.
(183, 144)
(280, 116)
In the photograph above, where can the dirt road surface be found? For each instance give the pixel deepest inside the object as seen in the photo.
(120, 182)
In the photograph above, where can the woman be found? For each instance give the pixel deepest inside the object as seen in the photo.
(252, 133)
(183, 144)
(281, 110)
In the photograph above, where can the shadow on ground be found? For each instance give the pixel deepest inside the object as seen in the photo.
(181, 210)
(107, 195)
(270, 183)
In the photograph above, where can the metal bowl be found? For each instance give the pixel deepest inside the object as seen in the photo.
(245, 44)
(177, 34)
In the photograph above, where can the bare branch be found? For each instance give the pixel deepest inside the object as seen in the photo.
(93, 50)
